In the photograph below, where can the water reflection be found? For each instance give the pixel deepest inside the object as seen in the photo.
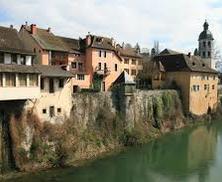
(189, 155)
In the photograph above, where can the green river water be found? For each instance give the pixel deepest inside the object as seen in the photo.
(192, 154)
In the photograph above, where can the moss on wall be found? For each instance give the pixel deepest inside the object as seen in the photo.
(96, 126)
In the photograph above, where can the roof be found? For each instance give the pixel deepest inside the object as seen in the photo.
(14, 68)
(181, 62)
(52, 71)
(47, 40)
(129, 52)
(101, 42)
(169, 51)
(10, 41)
(72, 45)
(124, 78)
(206, 34)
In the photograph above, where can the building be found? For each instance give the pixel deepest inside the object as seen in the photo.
(55, 101)
(56, 50)
(206, 46)
(19, 80)
(196, 80)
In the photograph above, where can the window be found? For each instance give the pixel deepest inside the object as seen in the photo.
(209, 44)
(22, 59)
(14, 59)
(51, 86)
(73, 64)
(75, 88)
(44, 111)
(1, 81)
(209, 54)
(33, 80)
(10, 80)
(205, 86)
(61, 83)
(100, 66)
(126, 70)
(80, 66)
(105, 67)
(213, 87)
(126, 61)
(1, 58)
(80, 77)
(134, 61)
(133, 72)
(204, 54)
(22, 80)
(116, 67)
(100, 53)
(52, 111)
(59, 110)
(204, 44)
(105, 54)
(42, 85)
(214, 77)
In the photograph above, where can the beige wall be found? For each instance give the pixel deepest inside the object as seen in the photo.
(62, 98)
(138, 66)
(203, 99)
(197, 102)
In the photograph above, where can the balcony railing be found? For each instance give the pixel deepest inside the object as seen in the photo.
(102, 72)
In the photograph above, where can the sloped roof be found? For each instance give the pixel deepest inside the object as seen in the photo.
(181, 62)
(10, 41)
(129, 52)
(169, 51)
(124, 78)
(72, 45)
(101, 42)
(14, 68)
(52, 71)
(47, 40)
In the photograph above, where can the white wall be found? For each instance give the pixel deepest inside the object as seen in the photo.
(19, 93)
(28, 60)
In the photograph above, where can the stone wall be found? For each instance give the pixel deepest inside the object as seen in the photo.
(98, 123)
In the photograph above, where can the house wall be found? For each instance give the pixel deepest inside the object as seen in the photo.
(60, 99)
(93, 59)
(18, 92)
(204, 98)
(138, 66)
(194, 101)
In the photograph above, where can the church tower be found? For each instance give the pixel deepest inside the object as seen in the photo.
(206, 45)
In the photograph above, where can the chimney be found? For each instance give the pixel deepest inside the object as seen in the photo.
(49, 30)
(88, 39)
(11, 26)
(33, 29)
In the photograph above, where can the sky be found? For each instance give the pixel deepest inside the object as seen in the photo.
(176, 24)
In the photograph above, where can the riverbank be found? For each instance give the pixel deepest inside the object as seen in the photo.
(98, 127)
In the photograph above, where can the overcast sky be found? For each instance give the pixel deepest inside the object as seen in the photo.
(176, 24)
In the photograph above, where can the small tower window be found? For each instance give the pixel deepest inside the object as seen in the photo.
(209, 44)
(209, 54)
(204, 44)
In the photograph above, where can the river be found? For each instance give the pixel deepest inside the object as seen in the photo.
(192, 154)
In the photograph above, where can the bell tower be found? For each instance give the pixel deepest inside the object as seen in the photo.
(206, 45)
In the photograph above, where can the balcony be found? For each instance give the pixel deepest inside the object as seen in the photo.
(102, 72)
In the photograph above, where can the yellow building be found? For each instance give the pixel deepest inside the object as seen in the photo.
(196, 80)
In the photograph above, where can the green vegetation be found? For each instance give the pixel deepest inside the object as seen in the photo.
(41, 145)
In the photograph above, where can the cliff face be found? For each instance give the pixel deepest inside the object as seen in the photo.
(99, 122)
